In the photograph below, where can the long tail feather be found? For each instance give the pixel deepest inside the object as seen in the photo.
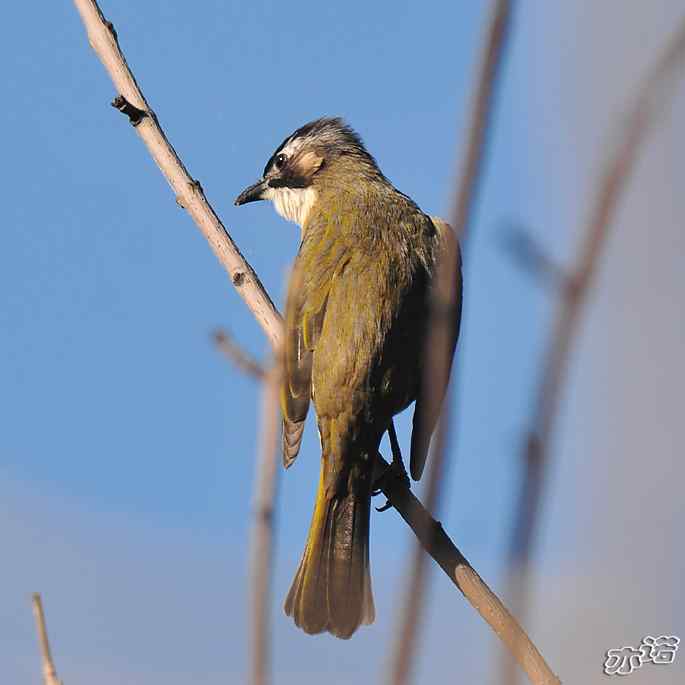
(332, 587)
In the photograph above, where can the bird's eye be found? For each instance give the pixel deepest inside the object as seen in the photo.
(280, 161)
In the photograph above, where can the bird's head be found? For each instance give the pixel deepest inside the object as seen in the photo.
(323, 153)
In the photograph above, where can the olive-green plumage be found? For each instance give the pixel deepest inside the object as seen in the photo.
(355, 324)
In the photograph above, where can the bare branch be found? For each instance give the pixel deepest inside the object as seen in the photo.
(620, 164)
(189, 193)
(262, 534)
(49, 671)
(437, 543)
(237, 355)
(438, 348)
(104, 41)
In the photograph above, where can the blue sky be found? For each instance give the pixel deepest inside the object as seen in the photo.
(128, 443)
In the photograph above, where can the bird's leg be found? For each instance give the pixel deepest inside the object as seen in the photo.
(395, 470)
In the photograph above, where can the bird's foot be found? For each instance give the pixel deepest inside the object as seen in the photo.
(395, 471)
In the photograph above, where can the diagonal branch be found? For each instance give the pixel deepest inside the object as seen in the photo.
(617, 173)
(435, 541)
(438, 349)
(49, 671)
(189, 194)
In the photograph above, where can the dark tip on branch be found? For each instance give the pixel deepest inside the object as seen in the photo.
(135, 115)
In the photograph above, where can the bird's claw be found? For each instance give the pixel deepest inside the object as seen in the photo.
(397, 471)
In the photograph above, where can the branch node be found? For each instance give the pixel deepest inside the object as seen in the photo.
(112, 30)
(265, 515)
(574, 286)
(238, 278)
(534, 448)
(135, 115)
(196, 187)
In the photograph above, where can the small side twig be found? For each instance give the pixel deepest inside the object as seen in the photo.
(135, 115)
(535, 449)
(234, 353)
(530, 256)
(49, 671)
(438, 346)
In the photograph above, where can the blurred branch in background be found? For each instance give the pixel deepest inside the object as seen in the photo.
(535, 454)
(189, 194)
(266, 484)
(437, 347)
(49, 671)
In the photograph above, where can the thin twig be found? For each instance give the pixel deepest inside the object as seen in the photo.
(262, 535)
(438, 347)
(49, 671)
(536, 446)
(237, 355)
(105, 45)
(189, 193)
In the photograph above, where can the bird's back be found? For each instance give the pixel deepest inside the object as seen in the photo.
(374, 270)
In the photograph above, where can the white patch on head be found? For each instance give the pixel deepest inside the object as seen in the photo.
(292, 146)
(293, 204)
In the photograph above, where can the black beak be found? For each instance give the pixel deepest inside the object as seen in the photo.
(252, 194)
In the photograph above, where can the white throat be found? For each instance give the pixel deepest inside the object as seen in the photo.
(293, 204)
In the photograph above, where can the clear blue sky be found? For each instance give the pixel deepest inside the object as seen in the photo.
(127, 443)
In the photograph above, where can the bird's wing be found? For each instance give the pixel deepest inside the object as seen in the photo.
(308, 290)
(446, 295)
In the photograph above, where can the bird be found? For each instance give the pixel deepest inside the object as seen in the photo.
(355, 325)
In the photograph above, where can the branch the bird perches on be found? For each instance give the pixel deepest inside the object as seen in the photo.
(190, 196)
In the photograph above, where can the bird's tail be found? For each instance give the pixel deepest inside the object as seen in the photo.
(332, 587)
